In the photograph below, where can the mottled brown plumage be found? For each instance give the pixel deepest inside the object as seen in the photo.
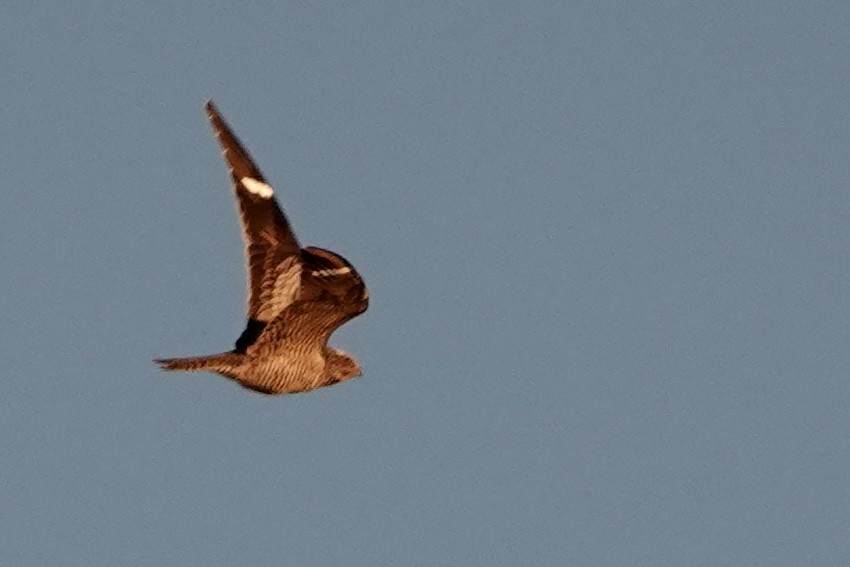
(297, 297)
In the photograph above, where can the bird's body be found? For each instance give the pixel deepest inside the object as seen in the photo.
(296, 297)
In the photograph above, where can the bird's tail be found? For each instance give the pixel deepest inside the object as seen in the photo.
(224, 363)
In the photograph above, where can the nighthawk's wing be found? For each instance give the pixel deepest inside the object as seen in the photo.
(332, 293)
(272, 250)
(305, 326)
(326, 274)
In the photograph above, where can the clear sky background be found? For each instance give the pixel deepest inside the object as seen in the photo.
(608, 250)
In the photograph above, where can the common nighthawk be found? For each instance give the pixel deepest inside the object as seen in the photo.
(297, 297)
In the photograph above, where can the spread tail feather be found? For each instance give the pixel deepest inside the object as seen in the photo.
(224, 363)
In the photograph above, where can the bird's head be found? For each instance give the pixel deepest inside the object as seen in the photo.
(341, 366)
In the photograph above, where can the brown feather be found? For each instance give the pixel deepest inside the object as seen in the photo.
(297, 297)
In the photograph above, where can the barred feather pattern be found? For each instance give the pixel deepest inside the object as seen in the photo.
(280, 287)
(297, 297)
(227, 363)
(275, 374)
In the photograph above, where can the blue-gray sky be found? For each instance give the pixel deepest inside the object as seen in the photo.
(607, 245)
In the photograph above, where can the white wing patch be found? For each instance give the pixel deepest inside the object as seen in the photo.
(333, 272)
(257, 187)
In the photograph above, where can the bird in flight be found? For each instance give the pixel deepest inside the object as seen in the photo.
(297, 297)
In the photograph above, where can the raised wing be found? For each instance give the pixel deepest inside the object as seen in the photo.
(326, 274)
(272, 250)
(332, 293)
